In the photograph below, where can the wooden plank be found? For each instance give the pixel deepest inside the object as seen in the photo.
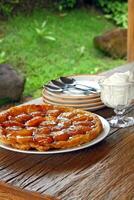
(8, 192)
(130, 42)
(109, 178)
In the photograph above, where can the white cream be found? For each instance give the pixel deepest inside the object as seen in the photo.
(119, 78)
(115, 90)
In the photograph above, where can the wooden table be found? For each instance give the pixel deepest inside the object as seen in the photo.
(102, 172)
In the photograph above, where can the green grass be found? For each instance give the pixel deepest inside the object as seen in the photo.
(72, 53)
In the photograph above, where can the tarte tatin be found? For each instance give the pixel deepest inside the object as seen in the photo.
(44, 127)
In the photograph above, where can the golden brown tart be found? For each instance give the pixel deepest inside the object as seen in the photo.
(44, 127)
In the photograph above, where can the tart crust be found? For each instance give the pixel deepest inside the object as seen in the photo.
(21, 127)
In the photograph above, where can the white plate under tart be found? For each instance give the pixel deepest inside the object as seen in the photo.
(102, 136)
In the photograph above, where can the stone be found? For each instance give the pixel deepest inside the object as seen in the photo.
(11, 83)
(113, 43)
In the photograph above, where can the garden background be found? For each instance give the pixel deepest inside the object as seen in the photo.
(47, 39)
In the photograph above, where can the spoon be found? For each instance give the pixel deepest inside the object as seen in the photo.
(66, 87)
(59, 84)
(57, 89)
(73, 82)
(53, 88)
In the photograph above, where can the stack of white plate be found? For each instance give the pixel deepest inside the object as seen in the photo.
(73, 97)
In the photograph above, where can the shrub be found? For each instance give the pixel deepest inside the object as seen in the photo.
(8, 7)
(115, 10)
(42, 32)
(65, 4)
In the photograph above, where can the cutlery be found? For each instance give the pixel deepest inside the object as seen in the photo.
(59, 84)
(73, 82)
(53, 88)
(59, 90)
(66, 86)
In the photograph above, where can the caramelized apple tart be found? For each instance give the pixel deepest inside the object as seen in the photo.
(44, 127)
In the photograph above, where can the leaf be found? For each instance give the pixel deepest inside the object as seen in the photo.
(1, 40)
(60, 7)
(2, 54)
(82, 50)
(44, 24)
(39, 31)
(108, 16)
(50, 38)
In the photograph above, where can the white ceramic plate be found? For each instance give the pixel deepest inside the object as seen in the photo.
(89, 108)
(94, 108)
(88, 80)
(105, 132)
(95, 104)
(71, 101)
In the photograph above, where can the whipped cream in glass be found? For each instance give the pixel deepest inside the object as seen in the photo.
(117, 91)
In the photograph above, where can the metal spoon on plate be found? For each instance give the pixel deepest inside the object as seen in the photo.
(66, 86)
(72, 82)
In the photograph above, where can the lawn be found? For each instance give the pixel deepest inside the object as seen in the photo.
(71, 53)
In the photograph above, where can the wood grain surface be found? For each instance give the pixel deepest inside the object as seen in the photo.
(8, 192)
(102, 172)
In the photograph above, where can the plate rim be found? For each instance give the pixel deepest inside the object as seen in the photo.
(65, 96)
(90, 108)
(80, 105)
(62, 99)
(98, 139)
(93, 108)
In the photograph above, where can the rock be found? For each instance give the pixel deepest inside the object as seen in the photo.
(113, 43)
(11, 83)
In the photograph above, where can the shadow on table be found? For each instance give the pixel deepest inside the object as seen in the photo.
(105, 112)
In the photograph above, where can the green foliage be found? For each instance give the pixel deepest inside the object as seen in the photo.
(42, 31)
(66, 4)
(2, 57)
(72, 52)
(115, 10)
(7, 7)
(5, 101)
